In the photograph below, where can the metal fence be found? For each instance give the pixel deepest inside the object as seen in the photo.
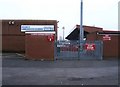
(72, 50)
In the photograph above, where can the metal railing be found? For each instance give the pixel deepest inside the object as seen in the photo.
(72, 50)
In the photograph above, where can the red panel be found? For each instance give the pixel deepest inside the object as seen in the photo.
(50, 38)
(90, 47)
(13, 43)
(110, 47)
(38, 47)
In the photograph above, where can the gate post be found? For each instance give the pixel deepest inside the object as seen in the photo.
(101, 43)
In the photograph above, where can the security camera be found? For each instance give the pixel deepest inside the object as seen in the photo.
(9, 22)
(13, 22)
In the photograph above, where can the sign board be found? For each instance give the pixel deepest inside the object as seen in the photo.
(37, 28)
(50, 38)
(90, 47)
(41, 33)
(106, 37)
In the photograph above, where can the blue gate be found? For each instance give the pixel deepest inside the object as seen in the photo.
(72, 50)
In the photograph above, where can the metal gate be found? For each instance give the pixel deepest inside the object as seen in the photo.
(72, 50)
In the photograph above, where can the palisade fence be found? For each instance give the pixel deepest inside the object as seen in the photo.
(72, 50)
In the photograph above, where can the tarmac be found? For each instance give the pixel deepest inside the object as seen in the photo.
(18, 71)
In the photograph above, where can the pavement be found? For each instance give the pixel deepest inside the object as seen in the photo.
(18, 71)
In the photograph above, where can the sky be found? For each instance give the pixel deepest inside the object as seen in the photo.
(99, 13)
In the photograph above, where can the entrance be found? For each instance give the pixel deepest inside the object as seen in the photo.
(67, 50)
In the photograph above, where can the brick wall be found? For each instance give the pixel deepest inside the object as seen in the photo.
(13, 40)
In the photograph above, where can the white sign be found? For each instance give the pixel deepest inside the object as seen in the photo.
(90, 46)
(106, 37)
(29, 28)
(41, 33)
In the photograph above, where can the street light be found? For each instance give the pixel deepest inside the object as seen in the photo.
(81, 22)
(81, 34)
(63, 31)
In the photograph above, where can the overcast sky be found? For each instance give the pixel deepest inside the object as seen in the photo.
(99, 13)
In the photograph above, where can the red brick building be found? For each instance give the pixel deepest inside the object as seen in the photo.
(13, 40)
(110, 39)
(35, 44)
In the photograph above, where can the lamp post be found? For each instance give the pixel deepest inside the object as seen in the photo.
(81, 22)
(63, 31)
(81, 34)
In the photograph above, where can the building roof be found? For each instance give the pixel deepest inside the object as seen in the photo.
(74, 35)
(90, 29)
(110, 32)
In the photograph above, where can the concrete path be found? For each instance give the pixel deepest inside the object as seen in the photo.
(17, 71)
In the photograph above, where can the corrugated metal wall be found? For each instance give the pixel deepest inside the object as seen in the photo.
(110, 47)
(38, 47)
(13, 40)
